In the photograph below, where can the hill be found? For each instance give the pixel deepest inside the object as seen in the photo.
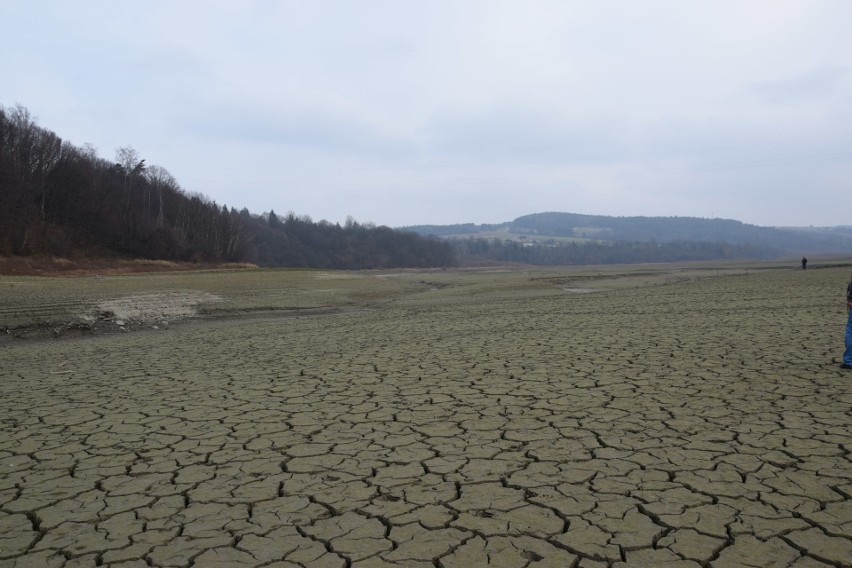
(661, 238)
(57, 199)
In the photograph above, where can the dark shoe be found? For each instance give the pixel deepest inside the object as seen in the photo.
(845, 366)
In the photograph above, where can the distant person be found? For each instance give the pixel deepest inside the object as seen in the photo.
(847, 355)
(804, 263)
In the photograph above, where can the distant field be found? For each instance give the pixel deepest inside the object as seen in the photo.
(657, 415)
(505, 235)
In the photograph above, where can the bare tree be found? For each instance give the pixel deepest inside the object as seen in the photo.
(127, 159)
(35, 151)
(160, 179)
(130, 165)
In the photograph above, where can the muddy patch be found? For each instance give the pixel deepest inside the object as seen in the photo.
(151, 309)
(126, 313)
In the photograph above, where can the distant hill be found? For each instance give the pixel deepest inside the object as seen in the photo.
(559, 228)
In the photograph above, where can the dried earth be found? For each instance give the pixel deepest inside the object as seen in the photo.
(702, 422)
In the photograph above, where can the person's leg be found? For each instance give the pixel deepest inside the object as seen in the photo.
(847, 355)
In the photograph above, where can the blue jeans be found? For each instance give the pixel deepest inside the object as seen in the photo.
(847, 355)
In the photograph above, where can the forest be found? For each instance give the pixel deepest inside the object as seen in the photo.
(58, 199)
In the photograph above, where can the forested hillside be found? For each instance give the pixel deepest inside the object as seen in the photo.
(62, 200)
(570, 238)
(680, 229)
(57, 199)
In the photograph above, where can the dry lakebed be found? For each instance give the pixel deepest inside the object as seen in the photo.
(660, 416)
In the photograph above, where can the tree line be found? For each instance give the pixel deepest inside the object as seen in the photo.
(475, 251)
(62, 200)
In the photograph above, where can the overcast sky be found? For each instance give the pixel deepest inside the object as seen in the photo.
(433, 112)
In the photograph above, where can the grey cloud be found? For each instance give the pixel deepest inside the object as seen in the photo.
(658, 107)
(813, 85)
(524, 135)
(323, 131)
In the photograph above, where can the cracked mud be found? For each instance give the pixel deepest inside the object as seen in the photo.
(698, 425)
